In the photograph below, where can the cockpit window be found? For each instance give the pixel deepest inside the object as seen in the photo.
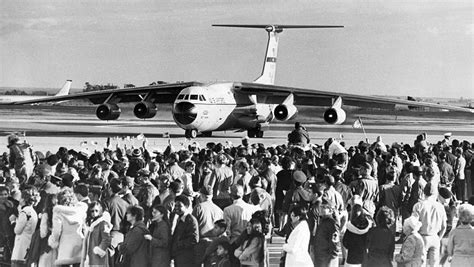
(194, 97)
(180, 97)
(186, 97)
(202, 98)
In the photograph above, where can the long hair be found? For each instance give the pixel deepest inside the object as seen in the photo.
(51, 201)
(259, 236)
(90, 219)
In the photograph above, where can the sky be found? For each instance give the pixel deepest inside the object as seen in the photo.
(387, 47)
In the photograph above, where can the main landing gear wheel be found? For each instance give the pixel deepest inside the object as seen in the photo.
(191, 134)
(207, 134)
(254, 133)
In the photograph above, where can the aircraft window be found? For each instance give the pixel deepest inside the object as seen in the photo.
(202, 98)
(180, 97)
(186, 97)
(194, 97)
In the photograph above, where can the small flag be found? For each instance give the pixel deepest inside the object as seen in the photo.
(357, 124)
(140, 136)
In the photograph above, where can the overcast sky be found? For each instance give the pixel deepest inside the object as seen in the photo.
(412, 47)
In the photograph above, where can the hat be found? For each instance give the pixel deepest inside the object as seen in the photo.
(237, 190)
(448, 134)
(445, 193)
(299, 176)
(413, 223)
(136, 152)
(206, 190)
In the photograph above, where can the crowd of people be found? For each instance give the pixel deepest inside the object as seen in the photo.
(220, 205)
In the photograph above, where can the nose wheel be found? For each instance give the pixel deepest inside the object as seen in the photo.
(191, 134)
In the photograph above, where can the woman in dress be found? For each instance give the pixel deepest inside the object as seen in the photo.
(460, 241)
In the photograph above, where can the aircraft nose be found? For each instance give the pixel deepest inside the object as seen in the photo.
(185, 113)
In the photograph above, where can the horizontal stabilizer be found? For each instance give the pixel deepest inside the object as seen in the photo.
(276, 26)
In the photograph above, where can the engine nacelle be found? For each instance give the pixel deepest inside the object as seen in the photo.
(284, 112)
(108, 112)
(334, 115)
(145, 110)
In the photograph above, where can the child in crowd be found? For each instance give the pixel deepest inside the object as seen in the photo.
(412, 253)
(222, 259)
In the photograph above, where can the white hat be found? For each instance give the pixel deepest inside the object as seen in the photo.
(448, 134)
(413, 223)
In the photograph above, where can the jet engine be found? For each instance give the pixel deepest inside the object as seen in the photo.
(284, 112)
(334, 115)
(145, 110)
(108, 112)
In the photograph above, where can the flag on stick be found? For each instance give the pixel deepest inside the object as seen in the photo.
(357, 124)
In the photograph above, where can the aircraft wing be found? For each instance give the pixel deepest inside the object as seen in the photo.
(162, 93)
(272, 94)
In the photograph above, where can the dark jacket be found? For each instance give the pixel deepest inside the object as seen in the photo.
(160, 244)
(117, 207)
(97, 235)
(326, 241)
(355, 240)
(185, 238)
(135, 246)
(298, 137)
(381, 245)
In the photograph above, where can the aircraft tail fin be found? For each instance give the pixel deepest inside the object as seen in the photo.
(65, 89)
(269, 63)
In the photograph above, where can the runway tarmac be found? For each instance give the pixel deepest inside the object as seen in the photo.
(50, 127)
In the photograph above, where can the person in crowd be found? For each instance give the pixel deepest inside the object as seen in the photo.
(355, 237)
(337, 152)
(136, 163)
(243, 177)
(210, 241)
(251, 251)
(128, 185)
(96, 237)
(20, 158)
(380, 240)
(82, 193)
(432, 215)
(299, 136)
(460, 239)
(134, 247)
(367, 187)
(187, 178)
(446, 171)
(159, 237)
(48, 255)
(413, 250)
(8, 207)
(325, 245)
(206, 212)
(117, 208)
(222, 255)
(69, 216)
(391, 196)
(173, 169)
(221, 179)
(25, 225)
(298, 242)
(284, 182)
(185, 231)
(238, 214)
(459, 175)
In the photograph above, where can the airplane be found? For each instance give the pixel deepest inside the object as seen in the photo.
(10, 99)
(218, 106)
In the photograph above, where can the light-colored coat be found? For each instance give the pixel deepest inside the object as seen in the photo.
(24, 229)
(66, 235)
(412, 253)
(297, 247)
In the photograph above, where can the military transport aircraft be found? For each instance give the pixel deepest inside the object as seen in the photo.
(218, 106)
(10, 99)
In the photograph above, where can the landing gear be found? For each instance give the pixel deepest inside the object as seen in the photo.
(207, 134)
(255, 132)
(191, 134)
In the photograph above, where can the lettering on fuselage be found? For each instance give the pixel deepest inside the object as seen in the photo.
(216, 100)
